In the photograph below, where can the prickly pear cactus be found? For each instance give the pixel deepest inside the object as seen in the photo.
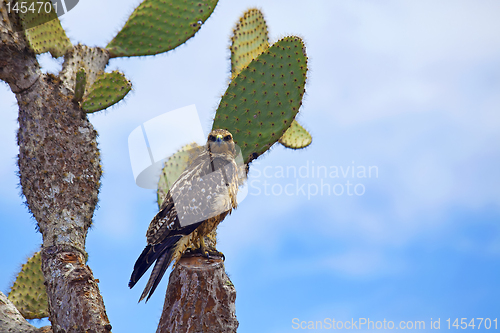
(108, 89)
(92, 59)
(296, 137)
(28, 292)
(80, 82)
(262, 100)
(174, 166)
(43, 30)
(157, 26)
(33, 13)
(249, 39)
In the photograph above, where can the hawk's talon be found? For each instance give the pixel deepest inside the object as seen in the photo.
(209, 254)
(194, 253)
(217, 254)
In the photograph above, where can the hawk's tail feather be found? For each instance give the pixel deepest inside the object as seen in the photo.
(156, 275)
(148, 257)
(172, 254)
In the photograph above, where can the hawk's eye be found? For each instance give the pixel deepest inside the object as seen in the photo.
(227, 138)
(211, 138)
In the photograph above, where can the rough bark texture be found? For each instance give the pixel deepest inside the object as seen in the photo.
(12, 321)
(200, 298)
(92, 59)
(60, 170)
(18, 65)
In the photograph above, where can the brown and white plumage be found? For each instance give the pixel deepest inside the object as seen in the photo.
(195, 204)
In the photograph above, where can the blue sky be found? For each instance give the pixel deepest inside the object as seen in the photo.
(411, 88)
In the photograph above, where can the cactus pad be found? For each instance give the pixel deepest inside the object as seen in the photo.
(262, 100)
(157, 26)
(81, 80)
(174, 166)
(28, 292)
(296, 137)
(249, 40)
(43, 30)
(108, 89)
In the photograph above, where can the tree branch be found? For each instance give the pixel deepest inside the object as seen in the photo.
(200, 298)
(12, 321)
(60, 171)
(18, 64)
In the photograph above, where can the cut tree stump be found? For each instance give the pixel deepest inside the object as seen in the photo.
(200, 298)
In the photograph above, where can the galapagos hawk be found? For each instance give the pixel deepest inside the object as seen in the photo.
(196, 203)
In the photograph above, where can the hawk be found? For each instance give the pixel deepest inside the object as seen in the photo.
(203, 195)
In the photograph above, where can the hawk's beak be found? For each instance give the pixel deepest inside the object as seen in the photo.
(218, 139)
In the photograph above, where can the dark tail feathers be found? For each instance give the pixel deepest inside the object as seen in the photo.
(162, 254)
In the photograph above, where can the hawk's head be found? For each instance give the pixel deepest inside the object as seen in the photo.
(220, 141)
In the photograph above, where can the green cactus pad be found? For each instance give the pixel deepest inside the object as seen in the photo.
(174, 166)
(157, 26)
(28, 292)
(296, 137)
(108, 89)
(80, 82)
(43, 30)
(249, 40)
(261, 102)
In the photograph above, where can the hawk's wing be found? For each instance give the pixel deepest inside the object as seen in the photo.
(194, 196)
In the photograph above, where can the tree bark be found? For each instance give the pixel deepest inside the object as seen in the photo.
(60, 172)
(18, 65)
(200, 298)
